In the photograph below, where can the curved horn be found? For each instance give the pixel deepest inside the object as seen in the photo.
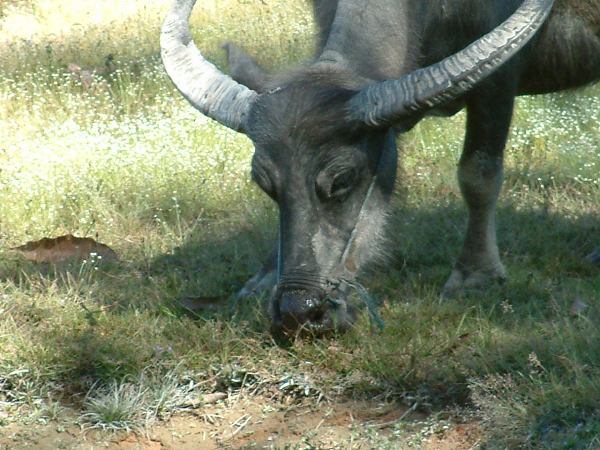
(384, 103)
(201, 83)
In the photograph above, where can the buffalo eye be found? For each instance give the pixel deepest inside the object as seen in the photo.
(263, 180)
(337, 187)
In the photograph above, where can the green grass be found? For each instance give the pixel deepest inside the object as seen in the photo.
(126, 159)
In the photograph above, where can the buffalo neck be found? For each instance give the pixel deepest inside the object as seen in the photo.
(384, 52)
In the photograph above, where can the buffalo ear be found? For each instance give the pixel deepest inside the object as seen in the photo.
(407, 123)
(244, 69)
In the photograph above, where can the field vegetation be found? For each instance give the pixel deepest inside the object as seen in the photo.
(95, 141)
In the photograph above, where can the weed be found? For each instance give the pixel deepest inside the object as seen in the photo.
(115, 407)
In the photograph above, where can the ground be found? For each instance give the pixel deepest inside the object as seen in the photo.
(258, 422)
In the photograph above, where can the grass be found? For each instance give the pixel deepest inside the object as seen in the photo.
(121, 156)
(135, 404)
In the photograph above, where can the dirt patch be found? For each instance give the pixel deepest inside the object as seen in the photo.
(251, 422)
(463, 436)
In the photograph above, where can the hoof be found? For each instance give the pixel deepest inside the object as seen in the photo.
(261, 283)
(594, 257)
(461, 281)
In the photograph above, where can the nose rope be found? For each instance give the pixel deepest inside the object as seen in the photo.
(367, 299)
(343, 273)
(350, 245)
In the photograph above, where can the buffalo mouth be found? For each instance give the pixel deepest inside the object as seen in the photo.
(298, 312)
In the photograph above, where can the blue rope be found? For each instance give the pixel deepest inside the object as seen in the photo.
(366, 298)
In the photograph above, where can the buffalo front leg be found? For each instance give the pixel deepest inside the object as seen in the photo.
(480, 178)
(263, 281)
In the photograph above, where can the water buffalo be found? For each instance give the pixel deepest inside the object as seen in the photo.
(324, 135)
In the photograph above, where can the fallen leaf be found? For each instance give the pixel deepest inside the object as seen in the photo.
(578, 307)
(199, 304)
(54, 250)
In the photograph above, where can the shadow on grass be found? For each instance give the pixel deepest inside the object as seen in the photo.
(131, 318)
(424, 242)
(430, 237)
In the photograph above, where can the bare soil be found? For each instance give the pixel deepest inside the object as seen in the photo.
(251, 423)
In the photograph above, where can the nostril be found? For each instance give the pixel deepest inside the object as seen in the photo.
(317, 315)
(302, 312)
(297, 307)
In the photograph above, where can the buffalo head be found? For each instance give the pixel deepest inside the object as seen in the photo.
(325, 151)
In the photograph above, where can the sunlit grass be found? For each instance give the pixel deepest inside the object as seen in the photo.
(121, 156)
(53, 34)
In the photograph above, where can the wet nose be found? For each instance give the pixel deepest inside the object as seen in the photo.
(299, 307)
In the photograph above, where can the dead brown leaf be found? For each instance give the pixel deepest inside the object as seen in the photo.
(54, 250)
